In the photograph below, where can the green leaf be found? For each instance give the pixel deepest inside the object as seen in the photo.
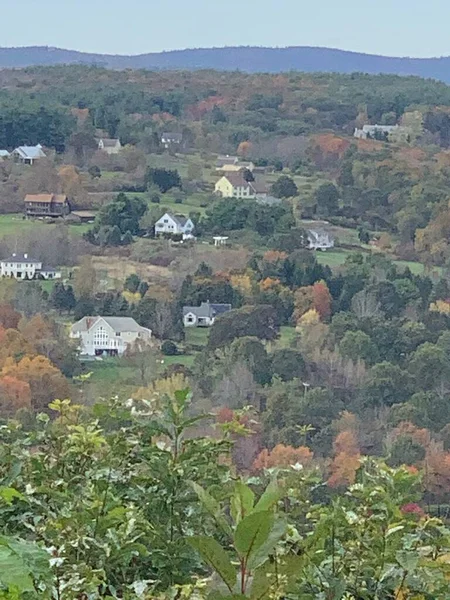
(241, 502)
(212, 506)
(252, 532)
(407, 560)
(270, 497)
(13, 571)
(8, 494)
(216, 557)
(260, 555)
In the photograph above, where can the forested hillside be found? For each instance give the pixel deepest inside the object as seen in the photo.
(246, 59)
(263, 411)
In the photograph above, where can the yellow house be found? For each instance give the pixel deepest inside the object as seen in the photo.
(233, 185)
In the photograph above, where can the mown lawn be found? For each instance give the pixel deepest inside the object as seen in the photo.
(15, 224)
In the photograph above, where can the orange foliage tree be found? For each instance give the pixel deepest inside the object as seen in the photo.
(244, 149)
(46, 382)
(9, 317)
(282, 456)
(346, 460)
(14, 394)
(322, 299)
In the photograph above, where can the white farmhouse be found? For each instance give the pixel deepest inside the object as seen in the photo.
(175, 225)
(109, 145)
(111, 336)
(21, 266)
(319, 240)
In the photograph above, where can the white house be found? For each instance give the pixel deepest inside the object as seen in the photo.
(391, 133)
(4, 154)
(171, 139)
(27, 155)
(203, 315)
(21, 266)
(319, 240)
(110, 146)
(110, 336)
(175, 225)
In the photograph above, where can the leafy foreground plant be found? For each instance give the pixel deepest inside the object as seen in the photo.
(370, 543)
(104, 503)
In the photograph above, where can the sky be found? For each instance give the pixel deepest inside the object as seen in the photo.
(389, 27)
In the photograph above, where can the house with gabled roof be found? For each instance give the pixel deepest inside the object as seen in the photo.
(203, 315)
(171, 139)
(109, 145)
(319, 240)
(226, 160)
(108, 336)
(27, 155)
(235, 185)
(175, 225)
(46, 205)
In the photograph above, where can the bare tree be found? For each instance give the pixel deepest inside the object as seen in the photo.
(365, 304)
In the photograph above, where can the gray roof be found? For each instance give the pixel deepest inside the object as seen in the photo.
(226, 160)
(109, 142)
(180, 219)
(30, 151)
(173, 137)
(20, 258)
(206, 309)
(119, 324)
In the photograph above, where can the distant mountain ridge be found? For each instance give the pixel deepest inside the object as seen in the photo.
(248, 59)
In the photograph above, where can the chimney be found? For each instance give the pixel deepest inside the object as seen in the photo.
(14, 255)
(25, 255)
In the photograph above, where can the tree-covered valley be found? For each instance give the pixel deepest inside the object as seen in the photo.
(297, 443)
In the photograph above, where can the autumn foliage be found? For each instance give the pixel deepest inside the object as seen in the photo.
(282, 456)
(346, 461)
(14, 394)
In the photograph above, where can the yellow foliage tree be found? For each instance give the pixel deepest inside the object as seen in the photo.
(303, 301)
(440, 306)
(164, 386)
(311, 317)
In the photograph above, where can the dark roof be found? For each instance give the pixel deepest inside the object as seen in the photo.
(20, 258)
(226, 160)
(221, 308)
(237, 180)
(180, 219)
(259, 187)
(174, 137)
(109, 142)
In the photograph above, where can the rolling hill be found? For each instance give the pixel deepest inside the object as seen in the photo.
(248, 59)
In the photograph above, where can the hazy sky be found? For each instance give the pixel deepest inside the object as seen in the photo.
(390, 27)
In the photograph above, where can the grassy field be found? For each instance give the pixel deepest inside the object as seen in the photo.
(15, 224)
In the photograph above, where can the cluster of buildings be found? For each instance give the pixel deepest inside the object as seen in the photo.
(27, 155)
(112, 336)
(388, 133)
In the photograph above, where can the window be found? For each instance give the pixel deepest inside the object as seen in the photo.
(118, 334)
